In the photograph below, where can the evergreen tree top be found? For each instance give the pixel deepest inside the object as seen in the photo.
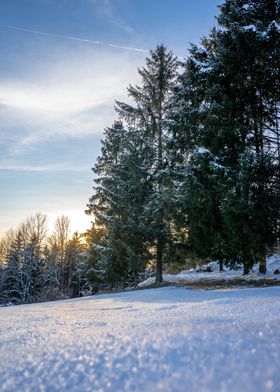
(149, 98)
(249, 13)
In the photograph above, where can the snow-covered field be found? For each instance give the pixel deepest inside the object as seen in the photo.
(167, 339)
(196, 276)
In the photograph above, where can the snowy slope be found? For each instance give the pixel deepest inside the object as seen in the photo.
(168, 339)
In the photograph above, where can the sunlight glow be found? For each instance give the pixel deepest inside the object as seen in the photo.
(79, 221)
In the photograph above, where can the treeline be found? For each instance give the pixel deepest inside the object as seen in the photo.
(36, 265)
(190, 167)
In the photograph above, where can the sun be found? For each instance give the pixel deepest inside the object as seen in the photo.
(79, 221)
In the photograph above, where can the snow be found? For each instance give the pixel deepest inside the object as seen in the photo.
(276, 25)
(250, 28)
(202, 150)
(201, 51)
(205, 67)
(6, 304)
(196, 276)
(167, 339)
(100, 247)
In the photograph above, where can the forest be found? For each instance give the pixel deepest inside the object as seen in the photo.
(188, 172)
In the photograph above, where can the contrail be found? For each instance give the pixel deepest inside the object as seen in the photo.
(87, 41)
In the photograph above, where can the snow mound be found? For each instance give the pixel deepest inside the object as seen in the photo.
(210, 273)
(6, 304)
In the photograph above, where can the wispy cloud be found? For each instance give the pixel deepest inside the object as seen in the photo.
(71, 95)
(11, 167)
(107, 9)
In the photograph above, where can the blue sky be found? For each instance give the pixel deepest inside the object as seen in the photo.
(62, 65)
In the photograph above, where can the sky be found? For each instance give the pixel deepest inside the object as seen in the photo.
(63, 63)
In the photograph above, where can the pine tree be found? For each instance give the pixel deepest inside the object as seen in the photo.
(204, 189)
(149, 117)
(97, 262)
(117, 204)
(12, 276)
(249, 211)
(226, 102)
(251, 30)
(75, 264)
(24, 269)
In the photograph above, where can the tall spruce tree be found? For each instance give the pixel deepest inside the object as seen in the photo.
(227, 101)
(129, 199)
(148, 116)
(251, 34)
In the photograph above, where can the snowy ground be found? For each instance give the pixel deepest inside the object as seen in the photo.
(194, 276)
(167, 339)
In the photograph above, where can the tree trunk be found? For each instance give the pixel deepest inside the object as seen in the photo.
(277, 136)
(159, 262)
(262, 265)
(246, 268)
(221, 265)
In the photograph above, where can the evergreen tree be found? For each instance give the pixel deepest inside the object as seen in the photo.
(148, 116)
(250, 211)
(75, 264)
(204, 188)
(226, 102)
(12, 276)
(24, 267)
(117, 204)
(97, 262)
(251, 29)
